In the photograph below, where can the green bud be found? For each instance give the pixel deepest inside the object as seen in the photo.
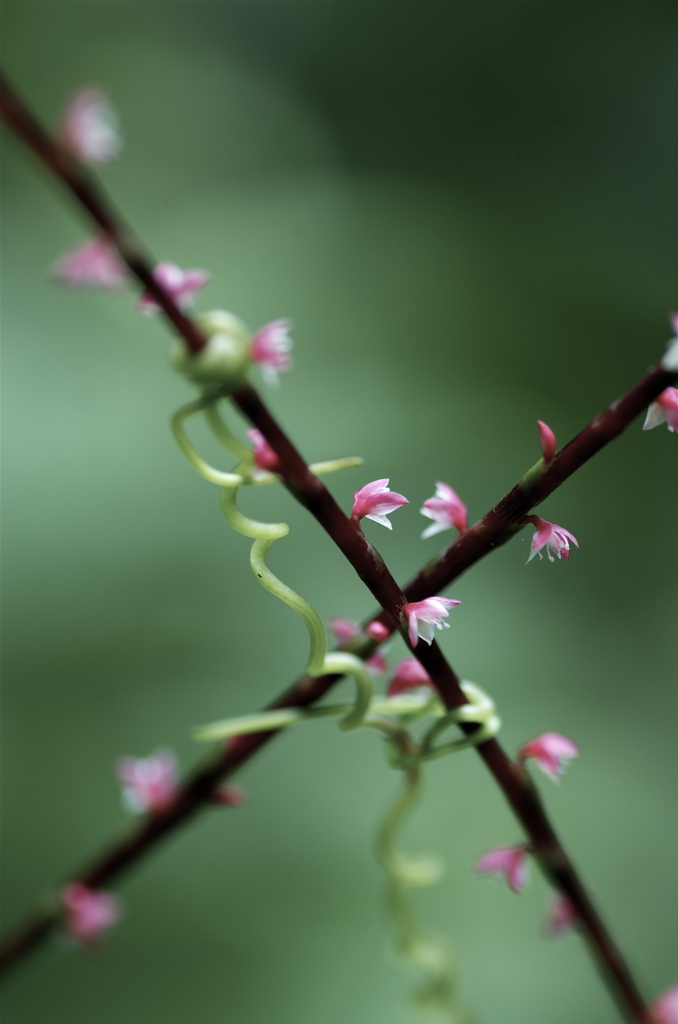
(224, 360)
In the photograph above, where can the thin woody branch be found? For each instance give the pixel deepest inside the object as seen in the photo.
(496, 528)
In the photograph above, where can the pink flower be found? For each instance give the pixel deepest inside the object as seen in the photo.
(344, 629)
(377, 663)
(378, 631)
(149, 784)
(89, 127)
(508, 863)
(264, 456)
(93, 264)
(663, 410)
(446, 509)
(410, 675)
(561, 916)
(554, 538)
(230, 796)
(424, 616)
(89, 912)
(182, 286)
(547, 439)
(551, 751)
(664, 1010)
(375, 501)
(270, 348)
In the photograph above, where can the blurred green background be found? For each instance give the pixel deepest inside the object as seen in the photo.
(468, 209)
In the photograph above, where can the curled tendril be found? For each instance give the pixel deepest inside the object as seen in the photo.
(438, 991)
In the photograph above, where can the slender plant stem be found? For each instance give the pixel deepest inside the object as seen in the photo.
(496, 528)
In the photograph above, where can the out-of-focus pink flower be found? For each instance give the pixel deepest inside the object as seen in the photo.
(230, 796)
(410, 675)
(553, 538)
(561, 916)
(344, 629)
(551, 751)
(547, 440)
(89, 912)
(508, 863)
(264, 456)
(378, 631)
(270, 348)
(375, 501)
(664, 410)
(424, 616)
(95, 264)
(89, 127)
(149, 784)
(664, 1010)
(182, 286)
(446, 509)
(377, 663)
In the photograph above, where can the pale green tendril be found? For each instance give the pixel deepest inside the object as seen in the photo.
(389, 715)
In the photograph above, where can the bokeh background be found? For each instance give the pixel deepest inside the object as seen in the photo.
(468, 209)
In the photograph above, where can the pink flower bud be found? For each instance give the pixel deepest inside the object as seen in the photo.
(375, 501)
(264, 456)
(553, 538)
(149, 784)
(547, 439)
(230, 796)
(551, 751)
(508, 863)
(89, 912)
(378, 631)
(664, 1010)
(663, 410)
(561, 917)
(344, 629)
(270, 349)
(95, 264)
(410, 675)
(377, 663)
(182, 286)
(424, 616)
(446, 509)
(89, 127)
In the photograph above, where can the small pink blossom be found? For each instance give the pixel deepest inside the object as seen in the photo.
(89, 912)
(547, 439)
(270, 349)
(424, 616)
(561, 916)
(89, 127)
(344, 629)
(94, 264)
(446, 509)
(508, 863)
(551, 751)
(378, 631)
(664, 1010)
(410, 675)
(553, 538)
(377, 663)
(663, 410)
(149, 784)
(375, 501)
(182, 286)
(230, 796)
(264, 456)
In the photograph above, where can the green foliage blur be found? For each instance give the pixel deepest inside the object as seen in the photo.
(469, 211)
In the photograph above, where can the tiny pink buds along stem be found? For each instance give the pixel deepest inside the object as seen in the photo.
(446, 509)
(551, 751)
(424, 616)
(508, 863)
(410, 675)
(663, 410)
(182, 286)
(553, 538)
(547, 440)
(89, 127)
(149, 784)
(264, 456)
(89, 912)
(95, 264)
(378, 631)
(376, 501)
